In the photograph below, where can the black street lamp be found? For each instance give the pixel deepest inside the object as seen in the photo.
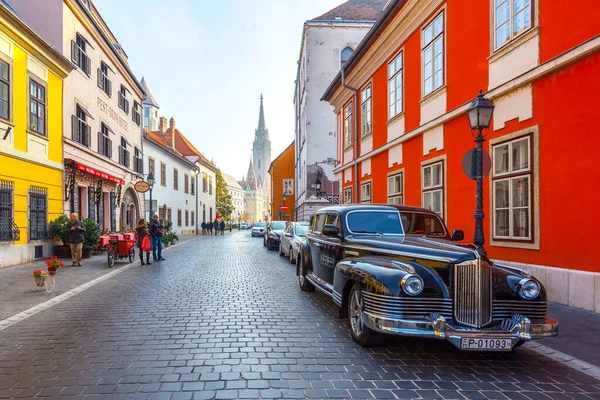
(480, 116)
(150, 181)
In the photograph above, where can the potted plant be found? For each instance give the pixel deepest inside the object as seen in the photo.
(58, 232)
(53, 264)
(91, 235)
(38, 278)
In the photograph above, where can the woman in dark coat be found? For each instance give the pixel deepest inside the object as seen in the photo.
(142, 231)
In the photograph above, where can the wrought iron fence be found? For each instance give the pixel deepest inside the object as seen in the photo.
(9, 231)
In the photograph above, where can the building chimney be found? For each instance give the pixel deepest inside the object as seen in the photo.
(172, 126)
(162, 124)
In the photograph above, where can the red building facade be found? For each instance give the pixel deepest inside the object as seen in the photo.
(401, 104)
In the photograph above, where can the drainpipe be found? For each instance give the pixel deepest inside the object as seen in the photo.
(354, 136)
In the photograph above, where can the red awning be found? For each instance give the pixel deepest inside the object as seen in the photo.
(95, 172)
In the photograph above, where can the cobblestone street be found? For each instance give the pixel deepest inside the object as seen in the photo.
(223, 318)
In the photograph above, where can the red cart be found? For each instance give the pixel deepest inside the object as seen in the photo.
(121, 247)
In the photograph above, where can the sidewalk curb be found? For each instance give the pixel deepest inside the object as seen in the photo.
(14, 319)
(565, 359)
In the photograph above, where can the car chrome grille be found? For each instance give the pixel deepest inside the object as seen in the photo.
(472, 294)
(405, 307)
(531, 309)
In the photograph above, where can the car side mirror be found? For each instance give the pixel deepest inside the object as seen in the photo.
(288, 235)
(330, 230)
(457, 235)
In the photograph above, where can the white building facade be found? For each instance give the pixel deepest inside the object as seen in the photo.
(102, 113)
(237, 197)
(327, 42)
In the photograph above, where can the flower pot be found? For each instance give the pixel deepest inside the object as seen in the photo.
(38, 281)
(62, 251)
(86, 253)
(51, 271)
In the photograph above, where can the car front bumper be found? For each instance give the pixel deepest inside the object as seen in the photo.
(273, 242)
(258, 233)
(516, 329)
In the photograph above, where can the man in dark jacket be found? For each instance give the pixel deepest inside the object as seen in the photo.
(203, 227)
(76, 229)
(156, 233)
(210, 227)
(222, 227)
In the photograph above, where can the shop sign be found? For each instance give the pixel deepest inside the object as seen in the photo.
(99, 174)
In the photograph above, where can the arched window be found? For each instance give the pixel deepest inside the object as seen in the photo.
(346, 53)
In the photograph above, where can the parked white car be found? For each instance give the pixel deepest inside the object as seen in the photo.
(244, 225)
(291, 240)
(258, 229)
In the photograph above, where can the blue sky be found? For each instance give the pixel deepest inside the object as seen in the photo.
(207, 62)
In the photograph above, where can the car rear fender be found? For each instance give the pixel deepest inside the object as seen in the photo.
(304, 252)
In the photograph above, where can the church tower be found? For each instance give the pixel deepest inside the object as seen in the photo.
(261, 149)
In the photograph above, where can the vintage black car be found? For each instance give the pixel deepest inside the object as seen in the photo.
(389, 277)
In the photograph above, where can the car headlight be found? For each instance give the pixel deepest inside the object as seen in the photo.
(412, 285)
(529, 289)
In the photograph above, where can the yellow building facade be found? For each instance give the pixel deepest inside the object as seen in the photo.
(31, 139)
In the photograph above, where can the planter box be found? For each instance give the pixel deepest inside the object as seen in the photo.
(86, 253)
(62, 251)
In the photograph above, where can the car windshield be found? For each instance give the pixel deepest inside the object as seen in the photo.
(374, 222)
(278, 226)
(415, 223)
(301, 230)
(260, 224)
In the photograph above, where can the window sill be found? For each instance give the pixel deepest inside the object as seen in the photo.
(7, 122)
(39, 135)
(433, 95)
(348, 148)
(528, 244)
(367, 136)
(513, 44)
(395, 118)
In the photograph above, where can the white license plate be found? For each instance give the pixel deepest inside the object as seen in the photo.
(486, 344)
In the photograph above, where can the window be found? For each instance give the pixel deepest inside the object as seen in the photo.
(395, 85)
(348, 125)
(161, 214)
(103, 82)
(123, 102)
(124, 156)
(175, 179)
(9, 231)
(512, 177)
(187, 218)
(365, 108)
(37, 107)
(193, 186)
(433, 187)
(79, 56)
(138, 164)
(146, 118)
(395, 184)
(348, 195)
(163, 174)
(151, 166)
(169, 215)
(81, 131)
(511, 18)
(210, 185)
(136, 115)
(365, 192)
(204, 182)
(433, 55)
(104, 142)
(38, 213)
(4, 90)
(186, 183)
(192, 219)
(346, 53)
(288, 187)
(178, 217)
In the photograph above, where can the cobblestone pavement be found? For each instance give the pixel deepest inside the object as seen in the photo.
(223, 318)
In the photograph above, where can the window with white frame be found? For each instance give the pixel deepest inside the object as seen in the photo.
(348, 125)
(365, 192)
(288, 187)
(395, 183)
(348, 195)
(365, 116)
(433, 187)
(433, 55)
(511, 18)
(511, 179)
(395, 89)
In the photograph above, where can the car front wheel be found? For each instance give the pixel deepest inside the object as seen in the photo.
(264, 241)
(362, 334)
(291, 255)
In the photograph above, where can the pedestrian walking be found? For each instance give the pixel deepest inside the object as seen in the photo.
(143, 241)
(76, 228)
(210, 228)
(216, 225)
(203, 227)
(156, 233)
(222, 227)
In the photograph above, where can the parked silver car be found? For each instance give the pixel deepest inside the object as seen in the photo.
(293, 235)
(258, 229)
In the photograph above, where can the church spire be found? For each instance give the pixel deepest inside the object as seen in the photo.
(261, 116)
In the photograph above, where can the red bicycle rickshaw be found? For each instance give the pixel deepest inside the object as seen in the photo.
(120, 247)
